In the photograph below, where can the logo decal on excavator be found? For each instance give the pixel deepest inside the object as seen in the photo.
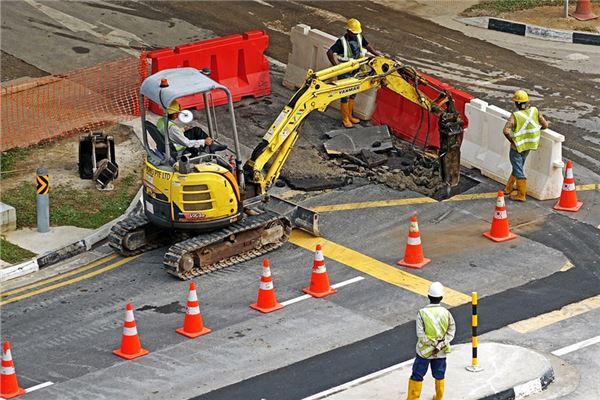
(350, 89)
(193, 216)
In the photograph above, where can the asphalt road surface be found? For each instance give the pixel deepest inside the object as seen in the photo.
(64, 330)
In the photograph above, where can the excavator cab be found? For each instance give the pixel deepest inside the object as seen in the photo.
(184, 191)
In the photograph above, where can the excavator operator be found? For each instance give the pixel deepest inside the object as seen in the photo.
(352, 45)
(193, 140)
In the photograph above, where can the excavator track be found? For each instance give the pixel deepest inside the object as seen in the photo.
(253, 236)
(135, 235)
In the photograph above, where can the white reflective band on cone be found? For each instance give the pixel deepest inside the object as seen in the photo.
(130, 331)
(7, 356)
(413, 241)
(500, 215)
(569, 173)
(414, 227)
(319, 270)
(319, 255)
(569, 187)
(8, 370)
(500, 201)
(266, 285)
(193, 296)
(129, 315)
(266, 272)
(193, 310)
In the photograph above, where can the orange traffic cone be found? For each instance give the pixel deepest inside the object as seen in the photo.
(413, 255)
(583, 11)
(319, 281)
(568, 195)
(9, 387)
(499, 231)
(192, 323)
(130, 344)
(266, 301)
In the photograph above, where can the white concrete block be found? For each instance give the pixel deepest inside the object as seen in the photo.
(8, 218)
(309, 51)
(18, 270)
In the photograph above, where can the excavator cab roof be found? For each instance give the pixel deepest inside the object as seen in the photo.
(182, 82)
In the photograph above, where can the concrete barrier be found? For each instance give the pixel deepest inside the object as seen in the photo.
(309, 51)
(484, 147)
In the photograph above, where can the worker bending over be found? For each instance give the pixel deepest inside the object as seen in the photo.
(435, 331)
(522, 130)
(352, 45)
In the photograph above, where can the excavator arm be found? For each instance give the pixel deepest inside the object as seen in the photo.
(319, 90)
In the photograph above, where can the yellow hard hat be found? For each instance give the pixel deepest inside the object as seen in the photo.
(174, 108)
(520, 96)
(353, 25)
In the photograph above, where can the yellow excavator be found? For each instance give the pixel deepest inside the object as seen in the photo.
(215, 211)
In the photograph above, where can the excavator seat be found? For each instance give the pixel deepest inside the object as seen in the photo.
(159, 139)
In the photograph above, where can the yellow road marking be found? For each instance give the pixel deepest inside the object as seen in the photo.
(60, 276)
(374, 268)
(568, 265)
(70, 281)
(422, 200)
(374, 204)
(569, 311)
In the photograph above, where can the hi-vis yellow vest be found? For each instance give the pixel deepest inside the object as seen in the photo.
(160, 125)
(436, 321)
(348, 51)
(527, 130)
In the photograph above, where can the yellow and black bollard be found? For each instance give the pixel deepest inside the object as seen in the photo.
(474, 367)
(42, 201)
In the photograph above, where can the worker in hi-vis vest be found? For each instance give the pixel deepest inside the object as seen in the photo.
(435, 331)
(522, 130)
(193, 140)
(352, 45)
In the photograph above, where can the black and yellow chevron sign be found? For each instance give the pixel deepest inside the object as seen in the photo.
(43, 186)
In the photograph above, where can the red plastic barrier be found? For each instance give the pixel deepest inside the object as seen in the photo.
(406, 119)
(236, 61)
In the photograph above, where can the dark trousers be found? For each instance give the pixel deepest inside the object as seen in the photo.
(420, 366)
(195, 133)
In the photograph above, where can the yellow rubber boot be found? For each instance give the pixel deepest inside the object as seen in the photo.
(350, 111)
(414, 389)
(439, 389)
(510, 185)
(521, 194)
(345, 110)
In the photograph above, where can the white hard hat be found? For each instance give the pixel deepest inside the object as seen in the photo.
(436, 290)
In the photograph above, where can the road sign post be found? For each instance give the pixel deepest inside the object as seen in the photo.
(42, 200)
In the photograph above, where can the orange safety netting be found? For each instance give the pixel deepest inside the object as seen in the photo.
(46, 108)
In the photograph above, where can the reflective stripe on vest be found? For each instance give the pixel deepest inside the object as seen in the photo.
(436, 321)
(526, 134)
(160, 125)
(347, 51)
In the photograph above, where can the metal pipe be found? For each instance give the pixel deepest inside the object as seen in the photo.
(236, 142)
(209, 121)
(42, 200)
(566, 8)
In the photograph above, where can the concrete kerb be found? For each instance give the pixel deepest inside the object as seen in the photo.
(70, 250)
(533, 31)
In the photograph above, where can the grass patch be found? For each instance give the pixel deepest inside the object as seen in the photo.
(88, 208)
(9, 159)
(12, 253)
(496, 7)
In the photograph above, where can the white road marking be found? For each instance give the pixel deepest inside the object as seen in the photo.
(358, 381)
(337, 285)
(576, 346)
(40, 386)
(116, 36)
(264, 3)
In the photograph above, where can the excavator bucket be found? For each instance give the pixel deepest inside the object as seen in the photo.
(301, 217)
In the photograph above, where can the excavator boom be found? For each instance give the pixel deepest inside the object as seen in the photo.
(319, 91)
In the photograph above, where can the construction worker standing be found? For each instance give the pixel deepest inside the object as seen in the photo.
(522, 130)
(435, 331)
(352, 45)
